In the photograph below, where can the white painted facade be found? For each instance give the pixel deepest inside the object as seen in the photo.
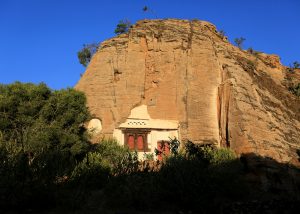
(157, 130)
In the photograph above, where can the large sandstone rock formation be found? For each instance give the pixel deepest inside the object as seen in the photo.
(186, 71)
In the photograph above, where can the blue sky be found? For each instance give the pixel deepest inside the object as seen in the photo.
(39, 39)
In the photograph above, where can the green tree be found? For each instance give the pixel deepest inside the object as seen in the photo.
(122, 27)
(86, 53)
(41, 130)
(239, 42)
(20, 105)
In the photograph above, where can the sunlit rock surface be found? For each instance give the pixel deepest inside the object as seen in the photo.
(186, 71)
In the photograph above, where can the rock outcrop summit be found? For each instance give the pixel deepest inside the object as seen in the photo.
(186, 71)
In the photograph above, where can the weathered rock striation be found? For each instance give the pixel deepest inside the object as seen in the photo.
(187, 71)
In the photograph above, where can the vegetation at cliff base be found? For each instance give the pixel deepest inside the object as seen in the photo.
(42, 138)
(47, 164)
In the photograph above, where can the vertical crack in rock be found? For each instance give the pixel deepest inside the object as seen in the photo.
(113, 80)
(227, 137)
(188, 53)
(143, 95)
(224, 95)
(190, 37)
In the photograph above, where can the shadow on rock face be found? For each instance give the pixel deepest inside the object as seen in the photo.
(270, 178)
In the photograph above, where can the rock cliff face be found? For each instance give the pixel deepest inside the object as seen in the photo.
(186, 71)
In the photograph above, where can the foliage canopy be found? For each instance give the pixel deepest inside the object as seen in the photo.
(122, 27)
(239, 42)
(36, 117)
(86, 53)
(47, 163)
(41, 131)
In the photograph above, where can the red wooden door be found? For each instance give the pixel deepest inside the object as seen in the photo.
(130, 142)
(163, 149)
(159, 149)
(140, 142)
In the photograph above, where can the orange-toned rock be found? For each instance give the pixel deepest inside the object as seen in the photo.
(271, 60)
(185, 71)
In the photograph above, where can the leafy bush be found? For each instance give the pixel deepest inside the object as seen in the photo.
(86, 53)
(217, 156)
(91, 172)
(122, 27)
(239, 42)
(208, 154)
(172, 145)
(296, 65)
(42, 138)
(295, 89)
(222, 33)
(120, 159)
(104, 160)
(193, 177)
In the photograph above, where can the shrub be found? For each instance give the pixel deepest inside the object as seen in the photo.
(295, 89)
(222, 33)
(219, 156)
(172, 145)
(92, 172)
(86, 53)
(148, 157)
(296, 65)
(253, 52)
(122, 27)
(120, 159)
(208, 154)
(193, 177)
(239, 42)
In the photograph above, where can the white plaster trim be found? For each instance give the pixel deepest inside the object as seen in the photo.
(140, 118)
